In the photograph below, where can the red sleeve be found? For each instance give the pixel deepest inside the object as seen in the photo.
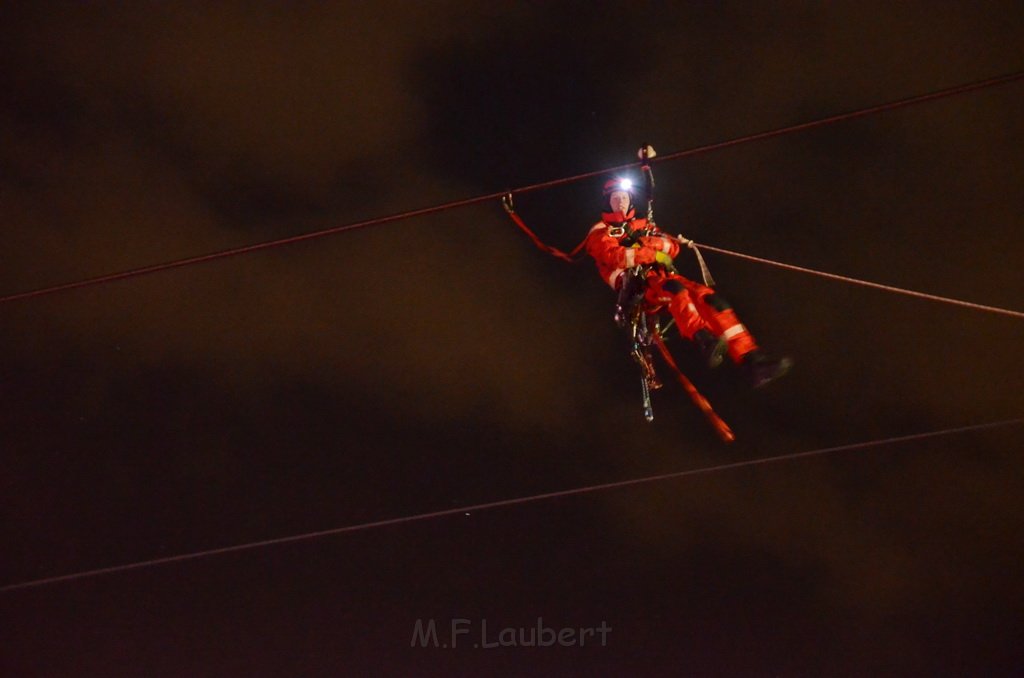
(605, 249)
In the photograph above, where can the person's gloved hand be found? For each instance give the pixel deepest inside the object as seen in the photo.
(646, 256)
(661, 243)
(643, 256)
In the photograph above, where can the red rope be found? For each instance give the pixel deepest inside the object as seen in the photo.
(860, 113)
(571, 257)
(723, 430)
(960, 89)
(502, 503)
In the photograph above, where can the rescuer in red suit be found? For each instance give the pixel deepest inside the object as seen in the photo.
(621, 241)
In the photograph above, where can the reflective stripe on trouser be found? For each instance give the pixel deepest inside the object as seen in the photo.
(687, 302)
(726, 324)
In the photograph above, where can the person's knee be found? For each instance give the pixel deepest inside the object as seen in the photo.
(716, 302)
(673, 286)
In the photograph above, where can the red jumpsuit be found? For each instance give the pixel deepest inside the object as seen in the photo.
(693, 306)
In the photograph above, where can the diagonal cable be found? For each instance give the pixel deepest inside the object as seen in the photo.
(502, 503)
(247, 249)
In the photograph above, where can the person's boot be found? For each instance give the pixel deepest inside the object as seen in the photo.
(761, 369)
(711, 347)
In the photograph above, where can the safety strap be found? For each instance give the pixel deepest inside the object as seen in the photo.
(571, 257)
(704, 270)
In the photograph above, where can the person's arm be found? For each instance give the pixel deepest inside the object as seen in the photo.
(661, 242)
(607, 251)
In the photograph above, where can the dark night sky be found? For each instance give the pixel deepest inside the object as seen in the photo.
(443, 361)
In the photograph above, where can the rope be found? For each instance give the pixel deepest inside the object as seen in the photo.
(866, 283)
(860, 113)
(721, 428)
(572, 257)
(502, 503)
(705, 272)
(952, 91)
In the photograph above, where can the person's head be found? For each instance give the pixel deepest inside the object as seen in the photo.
(618, 194)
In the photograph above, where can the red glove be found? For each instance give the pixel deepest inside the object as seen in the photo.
(644, 255)
(660, 243)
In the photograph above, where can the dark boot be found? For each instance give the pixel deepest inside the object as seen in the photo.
(711, 347)
(761, 369)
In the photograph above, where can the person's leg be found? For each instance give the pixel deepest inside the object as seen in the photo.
(723, 320)
(743, 349)
(671, 291)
